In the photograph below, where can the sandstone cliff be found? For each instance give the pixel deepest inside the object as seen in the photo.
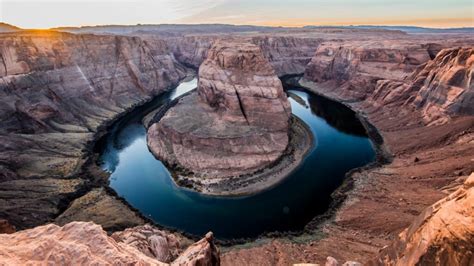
(57, 90)
(443, 234)
(237, 81)
(286, 54)
(449, 85)
(441, 88)
(80, 243)
(353, 68)
(237, 123)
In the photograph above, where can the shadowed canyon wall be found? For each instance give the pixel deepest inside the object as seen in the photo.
(57, 90)
(81, 243)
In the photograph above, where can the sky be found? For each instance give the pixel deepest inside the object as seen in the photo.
(54, 13)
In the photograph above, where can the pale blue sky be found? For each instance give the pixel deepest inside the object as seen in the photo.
(52, 13)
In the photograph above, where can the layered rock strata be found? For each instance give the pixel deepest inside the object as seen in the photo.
(427, 161)
(441, 87)
(355, 67)
(80, 243)
(287, 54)
(380, 202)
(57, 91)
(236, 123)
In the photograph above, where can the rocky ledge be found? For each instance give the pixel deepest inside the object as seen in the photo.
(81, 243)
(237, 123)
(442, 234)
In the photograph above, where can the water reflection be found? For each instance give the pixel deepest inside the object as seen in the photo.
(337, 115)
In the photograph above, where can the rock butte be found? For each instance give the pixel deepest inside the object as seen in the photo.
(236, 123)
(442, 234)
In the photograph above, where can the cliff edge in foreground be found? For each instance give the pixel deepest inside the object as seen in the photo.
(443, 234)
(81, 243)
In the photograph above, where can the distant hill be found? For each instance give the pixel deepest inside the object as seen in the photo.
(407, 29)
(167, 29)
(184, 29)
(4, 27)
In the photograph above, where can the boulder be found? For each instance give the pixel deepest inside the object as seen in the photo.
(57, 92)
(153, 242)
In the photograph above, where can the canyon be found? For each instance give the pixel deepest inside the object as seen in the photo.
(60, 91)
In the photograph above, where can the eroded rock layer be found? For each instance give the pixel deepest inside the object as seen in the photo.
(237, 122)
(441, 88)
(57, 91)
(287, 54)
(443, 234)
(355, 67)
(449, 85)
(81, 243)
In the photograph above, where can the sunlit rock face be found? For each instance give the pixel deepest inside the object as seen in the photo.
(236, 123)
(443, 234)
(86, 243)
(440, 88)
(353, 68)
(286, 54)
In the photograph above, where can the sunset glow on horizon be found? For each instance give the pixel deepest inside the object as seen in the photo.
(44, 14)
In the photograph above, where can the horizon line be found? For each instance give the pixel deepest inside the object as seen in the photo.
(251, 25)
